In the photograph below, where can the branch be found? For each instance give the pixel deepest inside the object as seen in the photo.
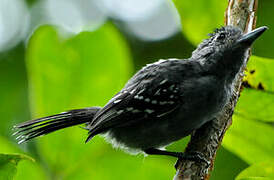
(207, 139)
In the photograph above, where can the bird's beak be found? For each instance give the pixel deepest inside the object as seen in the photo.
(250, 37)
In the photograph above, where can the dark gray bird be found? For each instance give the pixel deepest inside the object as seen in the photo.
(164, 101)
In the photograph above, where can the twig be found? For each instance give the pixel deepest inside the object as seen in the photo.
(208, 138)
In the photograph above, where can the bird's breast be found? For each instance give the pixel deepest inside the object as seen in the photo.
(203, 102)
(199, 103)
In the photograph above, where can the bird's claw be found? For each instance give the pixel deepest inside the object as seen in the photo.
(192, 156)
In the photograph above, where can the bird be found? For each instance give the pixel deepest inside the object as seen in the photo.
(164, 101)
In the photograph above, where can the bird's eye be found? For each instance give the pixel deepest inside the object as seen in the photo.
(221, 36)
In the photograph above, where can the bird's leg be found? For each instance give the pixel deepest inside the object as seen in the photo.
(192, 156)
(153, 151)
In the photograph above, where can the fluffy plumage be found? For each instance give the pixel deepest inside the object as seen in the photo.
(164, 101)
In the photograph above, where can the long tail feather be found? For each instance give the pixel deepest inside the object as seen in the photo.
(42, 126)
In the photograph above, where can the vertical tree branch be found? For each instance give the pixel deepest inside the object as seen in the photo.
(207, 139)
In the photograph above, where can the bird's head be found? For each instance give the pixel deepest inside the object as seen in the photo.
(226, 47)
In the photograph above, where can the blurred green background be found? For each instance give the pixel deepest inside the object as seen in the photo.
(57, 55)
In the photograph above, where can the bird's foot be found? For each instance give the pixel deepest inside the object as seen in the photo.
(192, 156)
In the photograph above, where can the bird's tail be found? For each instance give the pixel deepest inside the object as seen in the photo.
(38, 127)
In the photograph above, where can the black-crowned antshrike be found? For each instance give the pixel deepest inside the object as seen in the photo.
(164, 101)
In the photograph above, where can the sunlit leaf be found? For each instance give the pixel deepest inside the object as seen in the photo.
(113, 164)
(251, 140)
(7, 147)
(25, 169)
(8, 164)
(260, 73)
(263, 170)
(13, 89)
(263, 46)
(82, 71)
(256, 178)
(227, 165)
(200, 17)
(256, 105)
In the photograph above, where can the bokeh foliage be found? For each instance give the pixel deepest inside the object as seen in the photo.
(262, 170)
(8, 163)
(55, 73)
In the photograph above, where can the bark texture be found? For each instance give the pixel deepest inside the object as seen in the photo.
(207, 139)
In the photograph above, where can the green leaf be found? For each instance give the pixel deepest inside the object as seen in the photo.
(256, 178)
(260, 73)
(25, 169)
(251, 140)
(263, 170)
(30, 170)
(13, 92)
(227, 165)
(8, 164)
(82, 71)
(256, 105)
(263, 46)
(113, 164)
(200, 17)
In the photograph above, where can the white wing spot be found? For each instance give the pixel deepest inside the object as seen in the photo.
(147, 100)
(158, 92)
(172, 86)
(117, 101)
(132, 91)
(171, 96)
(163, 102)
(120, 111)
(141, 97)
(164, 90)
(171, 102)
(129, 108)
(136, 111)
(163, 81)
(149, 111)
(141, 91)
(154, 102)
(118, 95)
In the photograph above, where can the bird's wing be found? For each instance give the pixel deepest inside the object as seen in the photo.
(135, 102)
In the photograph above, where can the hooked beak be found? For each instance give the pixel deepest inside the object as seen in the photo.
(250, 37)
